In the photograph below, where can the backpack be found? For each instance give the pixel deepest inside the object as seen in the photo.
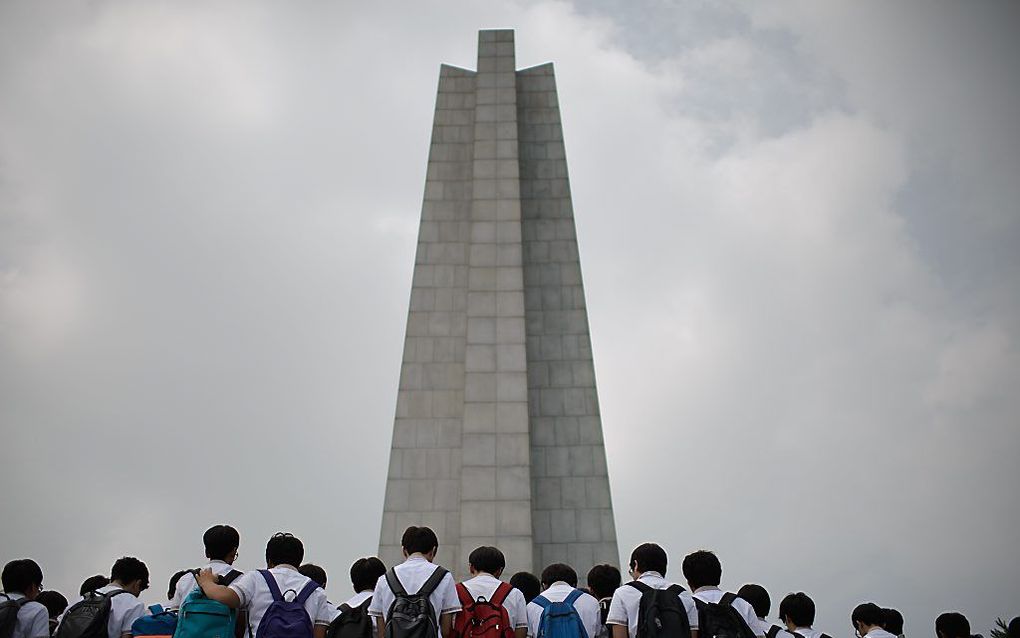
(661, 613)
(88, 617)
(161, 623)
(412, 615)
(353, 622)
(201, 617)
(283, 618)
(773, 631)
(799, 635)
(560, 620)
(721, 619)
(9, 609)
(483, 618)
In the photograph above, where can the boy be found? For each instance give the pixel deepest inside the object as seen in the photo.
(603, 581)
(365, 573)
(486, 565)
(528, 584)
(647, 566)
(558, 582)
(22, 581)
(760, 601)
(221, 543)
(128, 579)
(703, 572)
(797, 611)
(867, 619)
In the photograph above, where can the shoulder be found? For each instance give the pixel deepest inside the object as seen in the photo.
(31, 609)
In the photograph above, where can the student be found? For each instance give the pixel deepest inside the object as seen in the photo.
(486, 565)
(251, 592)
(22, 581)
(528, 584)
(892, 621)
(55, 604)
(92, 583)
(703, 572)
(559, 582)
(365, 573)
(948, 625)
(760, 601)
(648, 569)
(128, 579)
(419, 545)
(314, 572)
(221, 543)
(603, 581)
(797, 611)
(867, 621)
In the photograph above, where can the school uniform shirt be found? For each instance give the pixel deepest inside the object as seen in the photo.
(875, 633)
(764, 626)
(586, 605)
(125, 609)
(187, 582)
(33, 619)
(255, 596)
(627, 603)
(357, 600)
(485, 585)
(714, 595)
(412, 574)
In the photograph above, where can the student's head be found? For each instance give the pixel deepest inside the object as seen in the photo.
(488, 560)
(702, 569)
(221, 543)
(528, 584)
(603, 580)
(54, 602)
(558, 572)
(648, 557)
(758, 597)
(284, 549)
(865, 617)
(314, 572)
(172, 589)
(1013, 628)
(797, 610)
(22, 576)
(892, 621)
(420, 540)
(92, 583)
(130, 574)
(952, 625)
(365, 573)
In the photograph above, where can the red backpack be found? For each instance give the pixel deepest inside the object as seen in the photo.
(483, 618)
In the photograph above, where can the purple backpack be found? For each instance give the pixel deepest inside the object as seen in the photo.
(283, 618)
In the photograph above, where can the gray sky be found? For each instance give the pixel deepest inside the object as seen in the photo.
(799, 230)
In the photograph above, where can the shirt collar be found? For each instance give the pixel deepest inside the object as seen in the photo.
(417, 558)
(652, 574)
(707, 588)
(218, 562)
(285, 566)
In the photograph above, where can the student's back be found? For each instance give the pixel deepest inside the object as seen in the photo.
(560, 583)
(221, 543)
(651, 605)
(352, 619)
(484, 598)
(128, 579)
(719, 613)
(20, 614)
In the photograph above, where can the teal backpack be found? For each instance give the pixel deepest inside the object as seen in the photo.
(202, 617)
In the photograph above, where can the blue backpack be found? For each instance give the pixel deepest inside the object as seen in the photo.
(161, 622)
(560, 620)
(283, 618)
(202, 617)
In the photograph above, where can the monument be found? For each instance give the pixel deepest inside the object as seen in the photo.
(497, 438)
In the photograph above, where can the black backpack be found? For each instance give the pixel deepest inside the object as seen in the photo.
(661, 613)
(353, 622)
(88, 617)
(721, 619)
(412, 615)
(9, 609)
(605, 631)
(773, 631)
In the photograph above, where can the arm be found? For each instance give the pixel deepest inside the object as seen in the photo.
(380, 627)
(446, 623)
(619, 631)
(521, 632)
(319, 631)
(217, 592)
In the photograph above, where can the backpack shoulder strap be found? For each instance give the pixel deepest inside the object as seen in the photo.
(364, 606)
(395, 585)
(499, 596)
(727, 599)
(229, 577)
(116, 592)
(541, 601)
(825, 636)
(344, 608)
(430, 585)
(773, 631)
(573, 596)
(464, 595)
(306, 591)
(676, 589)
(274, 587)
(641, 587)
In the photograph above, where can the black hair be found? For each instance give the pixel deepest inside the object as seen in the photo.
(892, 621)
(92, 583)
(21, 574)
(172, 589)
(952, 624)
(419, 540)
(702, 569)
(557, 572)
(1013, 628)
(487, 559)
(129, 569)
(54, 602)
(314, 572)
(365, 573)
(649, 557)
(220, 541)
(799, 608)
(284, 549)
(528, 585)
(870, 614)
(603, 580)
(758, 597)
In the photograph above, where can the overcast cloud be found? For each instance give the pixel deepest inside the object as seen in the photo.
(799, 231)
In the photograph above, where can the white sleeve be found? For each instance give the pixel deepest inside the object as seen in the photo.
(534, 617)
(324, 612)
(692, 609)
(184, 587)
(244, 587)
(617, 611)
(592, 614)
(382, 597)
(515, 608)
(448, 589)
(39, 624)
(136, 611)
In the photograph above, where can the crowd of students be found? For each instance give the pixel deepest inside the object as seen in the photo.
(420, 599)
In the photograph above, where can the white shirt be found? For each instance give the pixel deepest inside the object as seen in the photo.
(255, 596)
(125, 609)
(412, 574)
(33, 619)
(485, 585)
(877, 632)
(764, 626)
(627, 603)
(187, 582)
(714, 595)
(586, 605)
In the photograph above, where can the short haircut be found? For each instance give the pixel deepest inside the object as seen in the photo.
(528, 584)
(702, 569)
(92, 583)
(54, 602)
(419, 540)
(172, 589)
(557, 572)
(365, 573)
(220, 541)
(129, 569)
(799, 608)
(758, 597)
(1013, 628)
(314, 572)
(870, 614)
(284, 549)
(487, 559)
(892, 621)
(21, 574)
(603, 580)
(952, 624)
(649, 557)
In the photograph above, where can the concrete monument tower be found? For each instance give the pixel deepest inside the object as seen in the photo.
(497, 438)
